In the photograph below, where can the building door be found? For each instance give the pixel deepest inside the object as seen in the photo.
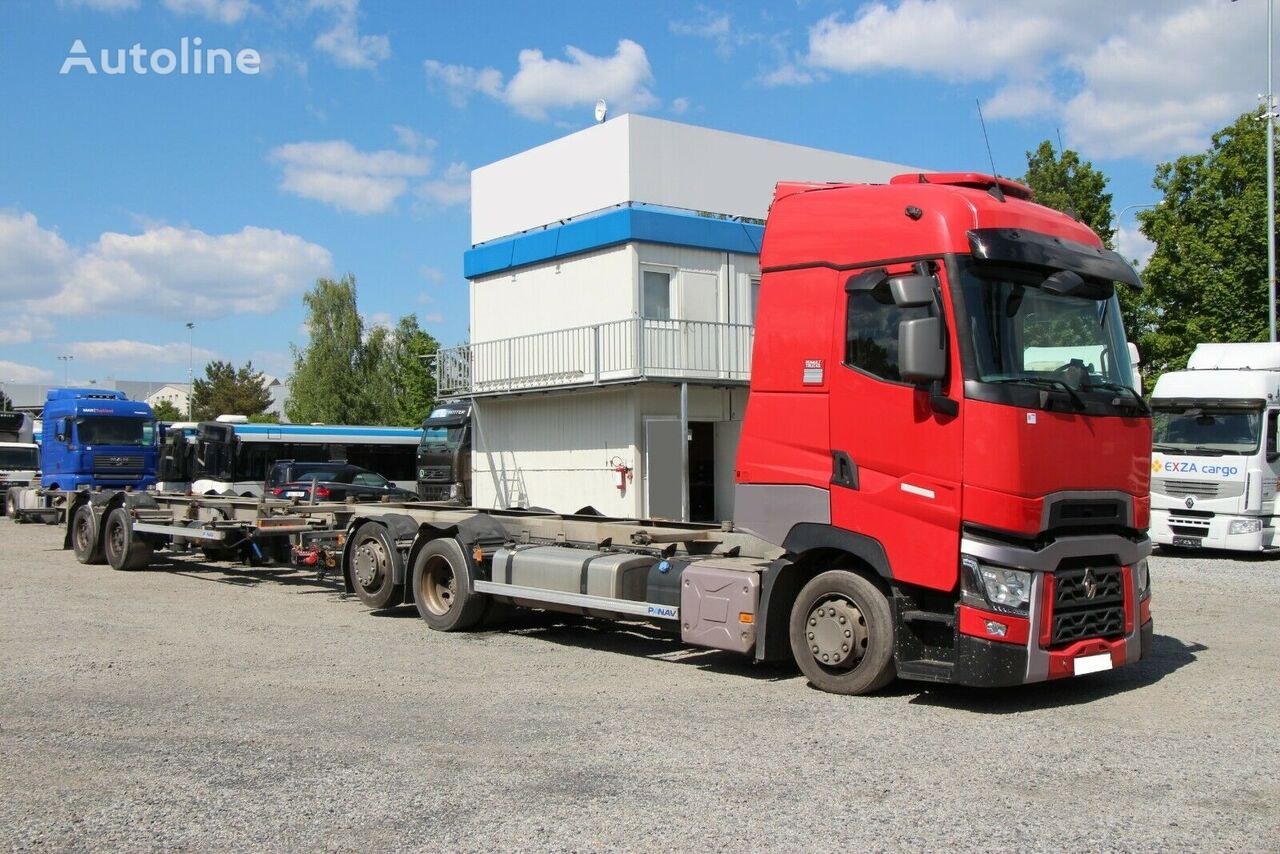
(699, 352)
(662, 467)
(662, 475)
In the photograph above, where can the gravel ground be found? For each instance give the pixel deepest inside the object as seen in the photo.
(202, 706)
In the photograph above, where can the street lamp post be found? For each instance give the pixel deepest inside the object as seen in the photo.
(66, 368)
(191, 389)
(1270, 115)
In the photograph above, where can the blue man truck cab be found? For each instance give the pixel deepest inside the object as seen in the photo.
(97, 437)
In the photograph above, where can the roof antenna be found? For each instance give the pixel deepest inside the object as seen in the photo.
(995, 190)
(1071, 202)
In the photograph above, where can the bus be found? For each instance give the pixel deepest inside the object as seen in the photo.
(224, 456)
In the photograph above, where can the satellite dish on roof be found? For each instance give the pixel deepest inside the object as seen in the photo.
(602, 110)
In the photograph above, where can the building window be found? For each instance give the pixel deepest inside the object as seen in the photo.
(871, 340)
(755, 298)
(655, 296)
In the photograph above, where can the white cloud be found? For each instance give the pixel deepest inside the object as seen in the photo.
(452, 188)
(680, 105)
(543, 84)
(126, 352)
(1151, 78)
(433, 317)
(33, 261)
(788, 74)
(25, 328)
(1019, 99)
(221, 11)
(338, 174)
(103, 5)
(165, 270)
(344, 42)
(431, 274)
(12, 372)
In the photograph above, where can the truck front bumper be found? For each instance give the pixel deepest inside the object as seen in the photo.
(1169, 528)
(992, 664)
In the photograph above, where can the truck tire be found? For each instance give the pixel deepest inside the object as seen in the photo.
(842, 634)
(373, 559)
(122, 549)
(84, 536)
(441, 587)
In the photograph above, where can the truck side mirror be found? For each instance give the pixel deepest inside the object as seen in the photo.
(60, 430)
(922, 355)
(912, 291)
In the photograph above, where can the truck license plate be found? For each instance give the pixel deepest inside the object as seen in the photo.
(1093, 663)
(1187, 542)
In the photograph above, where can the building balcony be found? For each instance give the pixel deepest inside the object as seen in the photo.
(620, 351)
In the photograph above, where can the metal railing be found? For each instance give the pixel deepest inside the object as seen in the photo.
(617, 351)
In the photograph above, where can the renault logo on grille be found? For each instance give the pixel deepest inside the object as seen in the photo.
(1090, 584)
(1190, 502)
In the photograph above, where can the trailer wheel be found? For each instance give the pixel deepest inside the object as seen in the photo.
(373, 561)
(123, 550)
(84, 536)
(842, 634)
(441, 582)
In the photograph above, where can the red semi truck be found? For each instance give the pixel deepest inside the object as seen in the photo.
(918, 493)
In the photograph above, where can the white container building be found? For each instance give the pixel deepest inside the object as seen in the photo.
(613, 275)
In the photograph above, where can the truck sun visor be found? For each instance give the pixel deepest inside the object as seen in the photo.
(1016, 246)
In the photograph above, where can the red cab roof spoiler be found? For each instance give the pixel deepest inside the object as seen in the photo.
(973, 180)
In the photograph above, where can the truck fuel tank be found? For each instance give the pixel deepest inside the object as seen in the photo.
(613, 575)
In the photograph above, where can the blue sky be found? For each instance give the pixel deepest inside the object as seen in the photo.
(133, 203)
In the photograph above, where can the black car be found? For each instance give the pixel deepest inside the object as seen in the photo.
(332, 482)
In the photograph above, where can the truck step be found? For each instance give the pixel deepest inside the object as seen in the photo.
(929, 617)
(926, 670)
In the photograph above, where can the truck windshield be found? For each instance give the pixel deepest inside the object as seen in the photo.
(115, 430)
(18, 459)
(1022, 333)
(1206, 431)
(434, 437)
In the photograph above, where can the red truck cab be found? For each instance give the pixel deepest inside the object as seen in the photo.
(940, 419)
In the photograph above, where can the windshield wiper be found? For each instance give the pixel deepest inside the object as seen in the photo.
(1047, 381)
(1137, 398)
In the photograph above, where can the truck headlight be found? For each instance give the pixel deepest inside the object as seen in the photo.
(1245, 526)
(1142, 578)
(995, 588)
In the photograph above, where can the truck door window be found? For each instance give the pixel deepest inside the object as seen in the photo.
(1273, 451)
(871, 331)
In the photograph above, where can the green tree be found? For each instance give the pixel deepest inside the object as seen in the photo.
(226, 390)
(1207, 279)
(166, 411)
(349, 373)
(327, 384)
(264, 418)
(1067, 183)
(407, 364)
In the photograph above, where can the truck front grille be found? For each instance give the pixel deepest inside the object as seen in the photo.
(117, 463)
(1197, 488)
(433, 474)
(1088, 602)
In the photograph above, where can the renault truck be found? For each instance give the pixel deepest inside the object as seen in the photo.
(19, 455)
(1215, 458)
(922, 491)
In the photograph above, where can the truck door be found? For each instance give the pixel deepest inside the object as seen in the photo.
(896, 462)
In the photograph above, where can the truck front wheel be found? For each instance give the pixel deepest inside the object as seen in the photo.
(442, 587)
(373, 561)
(842, 634)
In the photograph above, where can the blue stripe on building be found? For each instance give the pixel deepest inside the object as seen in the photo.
(613, 227)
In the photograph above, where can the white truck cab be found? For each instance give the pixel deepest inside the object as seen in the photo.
(1215, 458)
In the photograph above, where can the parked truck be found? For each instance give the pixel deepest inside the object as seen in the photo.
(92, 439)
(1215, 458)
(19, 455)
(444, 454)
(913, 498)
